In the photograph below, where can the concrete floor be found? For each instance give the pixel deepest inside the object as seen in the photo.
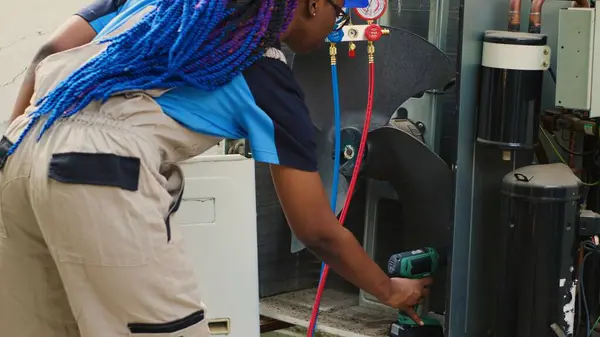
(284, 333)
(292, 332)
(340, 314)
(296, 332)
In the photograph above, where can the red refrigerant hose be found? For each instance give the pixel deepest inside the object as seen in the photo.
(357, 165)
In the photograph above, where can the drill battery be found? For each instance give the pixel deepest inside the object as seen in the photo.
(398, 330)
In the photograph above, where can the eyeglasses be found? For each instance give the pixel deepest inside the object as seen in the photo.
(342, 17)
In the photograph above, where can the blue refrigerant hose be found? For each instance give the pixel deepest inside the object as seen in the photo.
(336, 157)
(338, 139)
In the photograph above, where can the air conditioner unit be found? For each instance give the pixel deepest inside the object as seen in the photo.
(218, 218)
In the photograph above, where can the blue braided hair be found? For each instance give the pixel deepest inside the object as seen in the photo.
(199, 43)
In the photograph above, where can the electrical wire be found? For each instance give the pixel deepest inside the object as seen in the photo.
(560, 157)
(564, 148)
(552, 74)
(569, 151)
(594, 326)
(353, 181)
(589, 248)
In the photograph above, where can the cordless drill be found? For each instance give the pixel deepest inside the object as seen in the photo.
(414, 264)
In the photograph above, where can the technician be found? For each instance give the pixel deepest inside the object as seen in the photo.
(121, 91)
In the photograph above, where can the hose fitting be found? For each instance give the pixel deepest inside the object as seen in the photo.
(333, 53)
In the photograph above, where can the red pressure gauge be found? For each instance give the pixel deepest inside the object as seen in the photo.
(374, 11)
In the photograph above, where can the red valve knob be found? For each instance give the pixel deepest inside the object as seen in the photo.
(351, 49)
(373, 32)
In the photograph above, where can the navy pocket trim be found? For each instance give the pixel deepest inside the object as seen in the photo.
(5, 145)
(101, 169)
(172, 209)
(170, 327)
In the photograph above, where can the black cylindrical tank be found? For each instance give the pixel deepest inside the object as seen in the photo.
(537, 249)
(512, 73)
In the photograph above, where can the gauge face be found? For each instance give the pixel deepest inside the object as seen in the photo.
(374, 11)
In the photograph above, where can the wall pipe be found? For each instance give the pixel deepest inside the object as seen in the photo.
(582, 3)
(514, 16)
(535, 16)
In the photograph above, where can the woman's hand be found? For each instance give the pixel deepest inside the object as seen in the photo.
(406, 293)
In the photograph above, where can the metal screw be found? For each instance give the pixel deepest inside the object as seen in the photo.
(545, 64)
(546, 52)
(348, 152)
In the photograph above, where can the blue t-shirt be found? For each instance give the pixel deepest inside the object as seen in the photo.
(264, 104)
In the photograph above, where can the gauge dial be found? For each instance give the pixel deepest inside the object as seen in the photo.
(374, 11)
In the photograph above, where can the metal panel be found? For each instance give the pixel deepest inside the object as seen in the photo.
(479, 172)
(279, 270)
(595, 112)
(219, 200)
(574, 59)
(476, 17)
(282, 271)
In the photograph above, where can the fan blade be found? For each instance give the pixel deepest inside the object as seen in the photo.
(406, 65)
(424, 185)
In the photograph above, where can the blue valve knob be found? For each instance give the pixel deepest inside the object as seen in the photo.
(336, 36)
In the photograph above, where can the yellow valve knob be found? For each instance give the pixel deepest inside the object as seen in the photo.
(351, 50)
(385, 31)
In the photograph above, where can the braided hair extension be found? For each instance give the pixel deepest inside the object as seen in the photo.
(199, 43)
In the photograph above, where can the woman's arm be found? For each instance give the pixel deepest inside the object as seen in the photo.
(73, 33)
(307, 209)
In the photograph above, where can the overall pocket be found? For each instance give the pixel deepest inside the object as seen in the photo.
(3, 233)
(175, 186)
(5, 145)
(193, 325)
(93, 211)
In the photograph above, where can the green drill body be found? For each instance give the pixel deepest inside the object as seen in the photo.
(414, 264)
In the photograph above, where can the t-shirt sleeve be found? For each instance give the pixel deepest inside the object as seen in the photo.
(279, 130)
(100, 12)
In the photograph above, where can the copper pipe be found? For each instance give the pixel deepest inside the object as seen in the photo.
(514, 16)
(582, 3)
(572, 148)
(535, 16)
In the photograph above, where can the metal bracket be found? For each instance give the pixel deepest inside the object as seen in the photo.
(589, 223)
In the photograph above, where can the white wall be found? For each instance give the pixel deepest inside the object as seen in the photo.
(24, 26)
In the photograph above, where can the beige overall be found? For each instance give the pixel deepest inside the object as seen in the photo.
(83, 259)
